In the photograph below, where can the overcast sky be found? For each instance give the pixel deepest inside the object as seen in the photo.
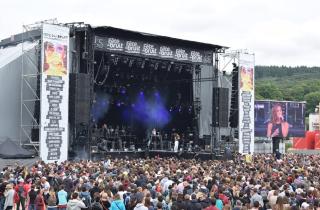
(279, 32)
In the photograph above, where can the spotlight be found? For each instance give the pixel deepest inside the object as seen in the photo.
(123, 90)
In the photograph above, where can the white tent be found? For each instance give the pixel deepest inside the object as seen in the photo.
(12, 60)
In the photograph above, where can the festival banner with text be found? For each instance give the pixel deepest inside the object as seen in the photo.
(156, 50)
(54, 93)
(246, 103)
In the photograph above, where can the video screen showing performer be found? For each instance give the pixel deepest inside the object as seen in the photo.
(279, 119)
(277, 126)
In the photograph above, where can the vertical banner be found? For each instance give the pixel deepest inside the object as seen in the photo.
(54, 93)
(246, 103)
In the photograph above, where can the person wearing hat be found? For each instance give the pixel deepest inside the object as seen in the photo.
(9, 195)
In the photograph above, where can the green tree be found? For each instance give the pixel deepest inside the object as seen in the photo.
(312, 100)
(269, 91)
(298, 92)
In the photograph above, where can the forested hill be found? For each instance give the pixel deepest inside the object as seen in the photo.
(288, 83)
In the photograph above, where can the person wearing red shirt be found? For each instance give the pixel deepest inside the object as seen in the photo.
(22, 190)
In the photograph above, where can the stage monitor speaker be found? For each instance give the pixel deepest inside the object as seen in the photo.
(35, 134)
(220, 107)
(79, 98)
(234, 106)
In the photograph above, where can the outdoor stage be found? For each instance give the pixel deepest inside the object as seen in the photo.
(116, 89)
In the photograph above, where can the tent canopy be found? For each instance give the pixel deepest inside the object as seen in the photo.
(9, 149)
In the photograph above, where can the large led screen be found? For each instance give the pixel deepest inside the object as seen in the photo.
(279, 119)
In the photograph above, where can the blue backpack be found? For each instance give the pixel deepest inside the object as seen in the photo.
(126, 199)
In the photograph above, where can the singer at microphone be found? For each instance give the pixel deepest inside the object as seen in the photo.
(277, 126)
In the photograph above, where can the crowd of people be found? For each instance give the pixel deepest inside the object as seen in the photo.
(260, 182)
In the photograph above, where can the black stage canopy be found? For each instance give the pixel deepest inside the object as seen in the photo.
(149, 45)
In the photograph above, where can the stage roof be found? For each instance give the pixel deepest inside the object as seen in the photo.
(21, 37)
(101, 30)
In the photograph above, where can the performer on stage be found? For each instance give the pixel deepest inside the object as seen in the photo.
(105, 131)
(153, 138)
(176, 142)
(154, 132)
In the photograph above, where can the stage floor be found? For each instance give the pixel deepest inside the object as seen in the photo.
(152, 154)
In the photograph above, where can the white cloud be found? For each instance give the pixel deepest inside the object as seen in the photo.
(282, 32)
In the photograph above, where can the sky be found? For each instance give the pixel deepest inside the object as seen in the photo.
(279, 32)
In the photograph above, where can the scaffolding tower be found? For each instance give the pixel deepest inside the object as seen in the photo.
(30, 85)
